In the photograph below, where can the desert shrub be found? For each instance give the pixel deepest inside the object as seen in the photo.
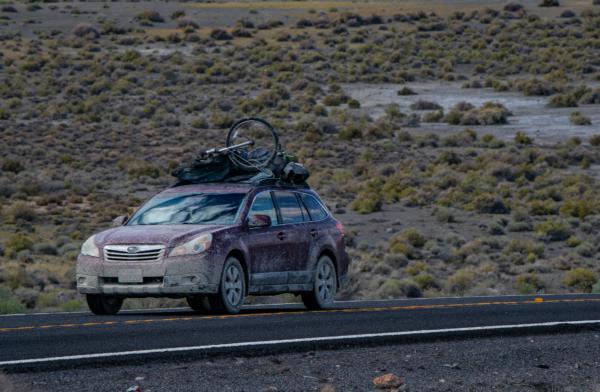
(553, 230)
(20, 211)
(595, 140)
(413, 237)
(581, 279)
(488, 203)
(187, 24)
(590, 97)
(490, 113)
(8, 8)
(416, 268)
(577, 118)
(528, 284)
(433, 117)
(461, 281)
(353, 104)
(535, 87)
(177, 14)
(222, 120)
(220, 34)
(573, 241)
(5, 114)
(350, 131)
(45, 249)
(150, 16)
(406, 91)
(578, 208)
(12, 165)
(394, 288)
(522, 138)
(199, 123)
(569, 99)
(425, 105)
(367, 202)
(524, 247)
(567, 14)
(17, 242)
(543, 207)
(426, 281)
(562, 101)
(549, 3)
(136, 168)
(335, 99)
(85, 30)
(444, 215)
(9, 303)
(513, 7)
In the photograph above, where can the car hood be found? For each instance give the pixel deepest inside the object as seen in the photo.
(168, 235)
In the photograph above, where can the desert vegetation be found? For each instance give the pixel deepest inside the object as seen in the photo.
(95, 115)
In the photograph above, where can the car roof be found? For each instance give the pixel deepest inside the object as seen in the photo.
(225, 187)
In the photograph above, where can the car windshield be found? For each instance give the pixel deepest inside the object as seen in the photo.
(189, 209)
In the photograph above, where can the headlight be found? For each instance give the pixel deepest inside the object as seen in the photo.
(193, 247)
(89, 248)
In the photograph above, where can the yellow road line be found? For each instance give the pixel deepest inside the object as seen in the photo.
(346, 310)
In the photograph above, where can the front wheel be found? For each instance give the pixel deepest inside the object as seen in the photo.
(199, 303)
(104, 305)
(325, 286)
(232, 289)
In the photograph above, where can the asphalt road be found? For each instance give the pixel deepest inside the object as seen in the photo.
(71, 339)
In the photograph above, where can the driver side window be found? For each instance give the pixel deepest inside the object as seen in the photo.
(263, 205)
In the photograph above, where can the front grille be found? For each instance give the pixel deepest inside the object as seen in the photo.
(133, 252)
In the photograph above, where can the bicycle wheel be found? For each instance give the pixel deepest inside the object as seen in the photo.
(259, 140)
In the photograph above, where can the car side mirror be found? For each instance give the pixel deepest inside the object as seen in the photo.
(259, 220)
(119, 221)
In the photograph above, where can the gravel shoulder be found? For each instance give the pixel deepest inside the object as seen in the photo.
(561, 362)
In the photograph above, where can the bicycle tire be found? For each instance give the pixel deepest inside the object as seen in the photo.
(237, 160)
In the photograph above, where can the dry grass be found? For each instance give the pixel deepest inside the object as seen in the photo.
(360, 7)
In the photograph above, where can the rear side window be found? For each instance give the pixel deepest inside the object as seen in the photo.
(314, 207)
(263, 205)
(289, 207)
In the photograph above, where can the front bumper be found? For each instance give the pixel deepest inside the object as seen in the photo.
(169, 277)
(171, 285)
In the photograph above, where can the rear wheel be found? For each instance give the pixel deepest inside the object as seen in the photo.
(199, 303)
(103, 305)
(231, 289)
(325, 286)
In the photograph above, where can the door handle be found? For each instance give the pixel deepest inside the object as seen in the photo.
(313, 232)
(281, 236)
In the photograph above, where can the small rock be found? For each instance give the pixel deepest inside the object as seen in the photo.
(134, 388)
(388, 381)
(328, 388)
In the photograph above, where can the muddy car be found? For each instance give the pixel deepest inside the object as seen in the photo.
(214, 244)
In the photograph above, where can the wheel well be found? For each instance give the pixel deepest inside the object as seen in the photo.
(330, 254)
(240, 257)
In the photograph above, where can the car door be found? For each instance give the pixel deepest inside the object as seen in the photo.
(264, 246)
(293, 235)
(316, 213)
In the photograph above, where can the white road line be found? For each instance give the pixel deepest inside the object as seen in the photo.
(292, 341)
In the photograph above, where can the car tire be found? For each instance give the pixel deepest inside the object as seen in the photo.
(325, 286)
(103, 305)
(232, 289)
(199, 303)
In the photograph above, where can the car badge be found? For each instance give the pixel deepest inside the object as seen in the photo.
(133, 249)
